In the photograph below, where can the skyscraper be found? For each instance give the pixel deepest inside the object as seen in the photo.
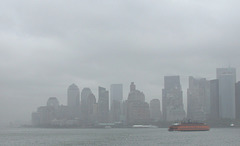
(53, 102)
(227, 80)
(46, 114)
(134, 94)
(85, 105)
(214, 99)
(198, 99)
(84, 95)
(172, 100)
(73, 101)
(73, 96)
(116, 92)
(137, 109)
(92, 109)
(103, 105)
(155, 112)
(116, 96)
(237, 90)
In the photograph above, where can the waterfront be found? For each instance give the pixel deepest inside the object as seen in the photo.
(116, 137)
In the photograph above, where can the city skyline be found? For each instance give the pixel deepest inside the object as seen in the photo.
(45, 47)
(202, 96)
(125, 98)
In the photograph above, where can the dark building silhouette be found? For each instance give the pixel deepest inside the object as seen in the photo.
(227, 80)
(92, 109)
(88, 107)
(73, 96)
(73, 101)
(214, 99)
(137, 109)
(53, 102)
(172, 100)
(134, 94)
(64, 114)
(84, 105)
(46, 114)
(237, 90)
(198, 99)
(155, 112)
(116, 96)
(103, 105)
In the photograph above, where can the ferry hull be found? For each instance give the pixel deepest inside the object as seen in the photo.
(191, 127)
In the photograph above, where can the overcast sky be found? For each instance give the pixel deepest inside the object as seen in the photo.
(47, 45)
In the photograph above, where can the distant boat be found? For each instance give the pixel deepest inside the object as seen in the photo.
(232, 125)
(107, 127)
(189, 126)
(144, 126)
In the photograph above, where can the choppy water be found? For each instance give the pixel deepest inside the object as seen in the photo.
(117, 137)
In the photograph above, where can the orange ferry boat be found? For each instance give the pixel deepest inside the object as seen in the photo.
(189, 126)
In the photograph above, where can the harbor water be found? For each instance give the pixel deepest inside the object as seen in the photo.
(117, 137)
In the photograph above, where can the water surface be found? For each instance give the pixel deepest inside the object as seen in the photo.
(117, 137)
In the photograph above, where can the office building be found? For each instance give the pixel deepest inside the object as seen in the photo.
(73, 96)
(237, 90)
(86, 105)
(214, 100)
(46, 114)
(227, 80)
(116, 96)
(103, 105)
(155, 112)
(53, 102)
(73, 101)
(137, 109)
(198, 99)
(172, 99)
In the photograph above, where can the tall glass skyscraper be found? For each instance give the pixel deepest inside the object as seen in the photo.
(227, 80)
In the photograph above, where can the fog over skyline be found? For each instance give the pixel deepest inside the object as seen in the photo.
(46, 46)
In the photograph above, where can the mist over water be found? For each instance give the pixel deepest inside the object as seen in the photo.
(117, 137)
(46, 46)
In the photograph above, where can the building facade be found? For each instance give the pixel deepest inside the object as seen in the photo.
(214, 99)
(198, 99)
(237, 90)
(73, 96)
(137, 109)
(227, 80)
(116, 96)
(88, 101)
(172, 99)
(53, 102)
(103, 105)
(46, 114)
(73, 101)
(155, 110)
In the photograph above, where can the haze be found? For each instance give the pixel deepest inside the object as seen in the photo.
(46, 46)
